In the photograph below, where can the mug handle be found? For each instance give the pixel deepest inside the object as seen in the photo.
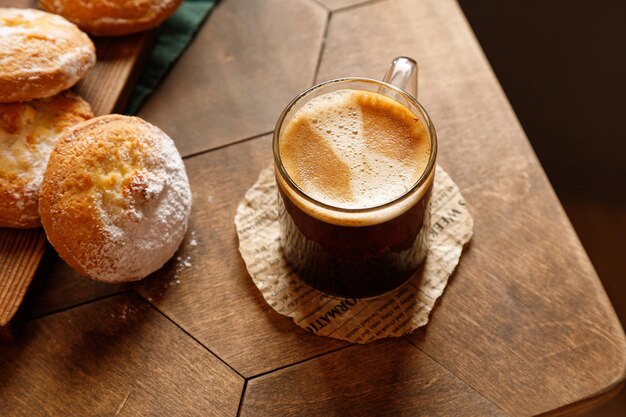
(403, 74)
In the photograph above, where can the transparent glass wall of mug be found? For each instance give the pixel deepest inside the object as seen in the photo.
(358, 251)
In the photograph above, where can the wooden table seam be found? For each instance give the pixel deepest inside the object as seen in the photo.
(526, 368)
(533, 164)
(243, 394)
(527, 169)
(80, 304)
(226, 145)
(329, 15)
(456, 376)
(319, 355)
(356, 6)
(261, 374)
(187, 333)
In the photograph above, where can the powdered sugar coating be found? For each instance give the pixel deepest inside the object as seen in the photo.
(132, 206)
(28, 132)
(141, 239)
(41, 54)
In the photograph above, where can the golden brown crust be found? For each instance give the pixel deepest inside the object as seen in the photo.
(66, 197)
(114, 193)
(28, 132)
(113, 17)
(42, 54)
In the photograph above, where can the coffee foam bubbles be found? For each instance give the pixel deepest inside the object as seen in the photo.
(354, 149)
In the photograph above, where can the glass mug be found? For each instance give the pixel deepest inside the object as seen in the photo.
(357, 252)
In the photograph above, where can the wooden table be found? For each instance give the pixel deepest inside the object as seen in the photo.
(524, 327)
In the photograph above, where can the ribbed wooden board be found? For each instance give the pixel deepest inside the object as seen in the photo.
(106, 88)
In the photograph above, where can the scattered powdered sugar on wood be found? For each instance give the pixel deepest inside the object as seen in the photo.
(193, 242)
(184, 262)
(126, 312)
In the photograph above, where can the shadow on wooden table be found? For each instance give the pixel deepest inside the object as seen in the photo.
(71, 353)
(368, 379)
(58, 287)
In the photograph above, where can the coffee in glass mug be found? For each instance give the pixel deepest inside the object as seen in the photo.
(355, 163)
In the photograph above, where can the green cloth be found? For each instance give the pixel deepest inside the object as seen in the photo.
(173, 36)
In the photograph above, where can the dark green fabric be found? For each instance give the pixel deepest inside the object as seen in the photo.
(172, 38)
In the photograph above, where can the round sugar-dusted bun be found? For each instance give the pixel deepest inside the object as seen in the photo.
(41, 54)
(113, 17)
(115, 198)
(28, 132)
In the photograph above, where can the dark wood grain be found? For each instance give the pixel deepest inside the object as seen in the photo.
(523, 328)
(479, 136)
(106, 87)
(114, 357)
(214, 298)
(525, 316)
(526, 303)
(63, 288)
(249, 59)
(388, 378)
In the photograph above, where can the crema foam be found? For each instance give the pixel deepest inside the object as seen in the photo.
(354, 149)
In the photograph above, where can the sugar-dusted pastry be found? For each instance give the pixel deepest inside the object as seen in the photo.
(115, 198)
(113, 17)
(41, 54)
(28, 132)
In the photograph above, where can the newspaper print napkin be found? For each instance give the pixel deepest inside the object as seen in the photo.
(354, 320)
